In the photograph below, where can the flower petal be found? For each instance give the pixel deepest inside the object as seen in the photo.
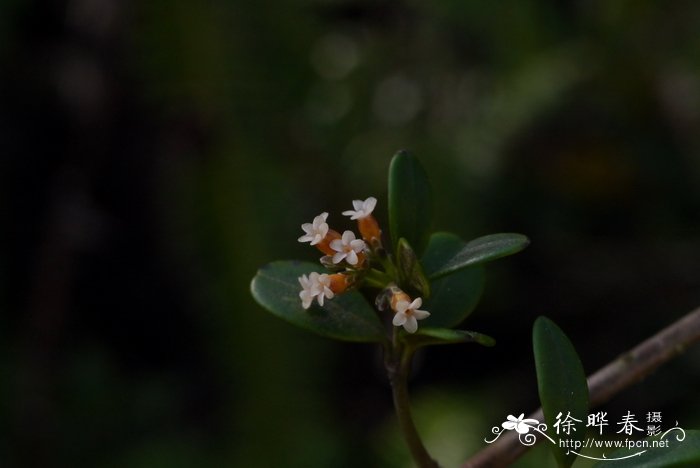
(411, 325)
(358, 245)
(306, 299)
(328, 293)
(352, 257)
(402, 306)
(399, 319)
(338, 257)
(348, 236)
(320, 219)
(421, 314)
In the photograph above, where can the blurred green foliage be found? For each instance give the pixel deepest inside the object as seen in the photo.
(154, 154)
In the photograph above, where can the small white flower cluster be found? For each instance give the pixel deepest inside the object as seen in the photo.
(354, 253)
(338, 248)
(346, 247)
(315, 286)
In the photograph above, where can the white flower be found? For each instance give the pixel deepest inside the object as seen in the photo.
(408, 314)
(314, 285)
(308, 291)
(347, 247)
(362, 208)
(324, 288)
(522, 426)
(316, 231)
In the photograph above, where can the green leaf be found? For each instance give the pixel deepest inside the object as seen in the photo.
(481, 250)
(410, 202)
(684, 452)
(561, 382)
(347, 316)
(410, 270)
(442, 247)
(453, 297)
(435, 336)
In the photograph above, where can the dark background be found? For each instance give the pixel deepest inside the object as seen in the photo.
(154, 154)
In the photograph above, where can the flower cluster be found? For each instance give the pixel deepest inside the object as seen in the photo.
(320, 286)
(355, 257)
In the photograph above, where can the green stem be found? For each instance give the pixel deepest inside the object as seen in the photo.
(398, 364)
(377, 278)
(389, 267)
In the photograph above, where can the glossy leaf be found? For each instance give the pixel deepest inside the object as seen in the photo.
(411, 274)
(561, 382)
(683, 452)
(442, 247)
(453, 297)
(410, 202)
(481, 250)
(436, 336)
(347, 316)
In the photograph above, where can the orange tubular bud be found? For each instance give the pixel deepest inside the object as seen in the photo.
(369, 228)
(325, 245)
(397, 296)
(339, 283)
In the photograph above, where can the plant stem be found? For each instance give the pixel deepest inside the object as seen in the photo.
(626, 370)
(377, 278)
(389, 266)
(398, 364)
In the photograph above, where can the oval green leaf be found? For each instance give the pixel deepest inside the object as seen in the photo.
(683, 450)
(347, 316)
(436, 336)
(561, 382)
(453, 297)
(481, 250)
(410, 202)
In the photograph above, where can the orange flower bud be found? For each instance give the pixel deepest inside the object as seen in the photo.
(369, 228)
(398, 296)
(339, 283)
(324, 246)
